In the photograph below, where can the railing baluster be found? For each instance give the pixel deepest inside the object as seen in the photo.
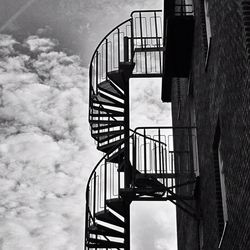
(118, 49)
(145, 152)
(94, 205)
(126, 52)
(106, 58)
(159, 146)
(132, 41)
(119, 182)
(97, 72)
(105, 184)
(155, 156)
(134, 161)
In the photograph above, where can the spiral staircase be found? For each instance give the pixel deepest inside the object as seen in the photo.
(148, 163)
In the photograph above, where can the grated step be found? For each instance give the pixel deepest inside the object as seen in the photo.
(117, 205)
(107, 147)
(97, 243)
(107, 216)
(111, 88)
(102, 137)
(102, 230)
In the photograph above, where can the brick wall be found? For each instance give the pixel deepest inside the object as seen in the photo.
(221, 91)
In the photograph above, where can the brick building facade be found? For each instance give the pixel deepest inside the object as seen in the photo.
(215, 100)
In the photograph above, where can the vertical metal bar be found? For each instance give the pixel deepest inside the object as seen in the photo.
(87, 224)
(106, 58)
(146, 59)
(141, 34)
(166, 162)
(156, 30)
(134, 160)
(119, 182)
(127, 169)
(119, 52)
(94, 201)
(105, 184)
(126, 52)
(145, 152)
(132, 40)
(155, 155)
(159, 145)
(163, 165)
(97, 71)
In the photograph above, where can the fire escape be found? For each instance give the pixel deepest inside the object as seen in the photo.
(148, 163)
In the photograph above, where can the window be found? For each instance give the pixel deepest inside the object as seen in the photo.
(220, 186)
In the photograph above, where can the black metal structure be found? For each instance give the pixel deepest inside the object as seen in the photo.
(145, 164)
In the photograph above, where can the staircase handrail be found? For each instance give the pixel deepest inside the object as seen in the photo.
(118, 145)
(99, 45)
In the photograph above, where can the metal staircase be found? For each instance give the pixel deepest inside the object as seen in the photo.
(148, 163)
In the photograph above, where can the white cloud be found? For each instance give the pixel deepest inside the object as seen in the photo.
(44, 144)
(46, 153)
(37, 44)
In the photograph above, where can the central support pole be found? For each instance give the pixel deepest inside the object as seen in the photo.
(127, 167)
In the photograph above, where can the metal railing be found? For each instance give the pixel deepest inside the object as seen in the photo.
(166, 154)
(138, 39)
(147, 42)
(161, 152)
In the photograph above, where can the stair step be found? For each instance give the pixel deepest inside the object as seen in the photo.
(107, 216)
(102, 137)
(97, 243)
(106, 115)
(106, 147)
(111, 88)
(110, 98)
(102, 99)
(97, 127)
(102, 230)
(117, 157)
(117, 78)
(107, 122)
(117, 205)
(149, 182)
(107, 110)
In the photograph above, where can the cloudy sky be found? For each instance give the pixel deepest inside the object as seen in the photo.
(46, 153)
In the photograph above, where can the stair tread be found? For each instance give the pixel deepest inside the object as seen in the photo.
(116, 77)
(116, 157)
(117, 205)
(105, 100)
(106, 115)
(108, 146)
(102, 230)
(98, 243)
(96, 127)
(107, 110)
(110, 88)
(107, 216)
(102, 137)
(147, 181)
(106, 122)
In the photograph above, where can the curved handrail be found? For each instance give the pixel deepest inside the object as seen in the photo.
(105, 155)
(117, 146)
(116, 27)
